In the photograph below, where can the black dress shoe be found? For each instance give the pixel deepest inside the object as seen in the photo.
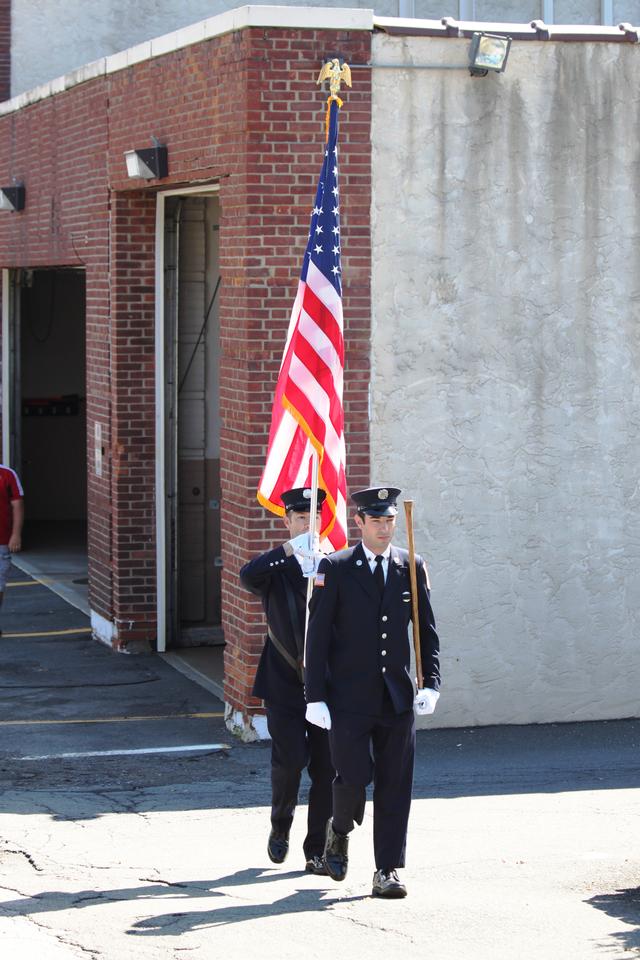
(316, 865)
(387, 884)
(336, 853)
(278, 846)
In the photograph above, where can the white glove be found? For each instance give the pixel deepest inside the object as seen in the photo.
(308, 551)
(300, 544)
(425, 701)
(318, 714)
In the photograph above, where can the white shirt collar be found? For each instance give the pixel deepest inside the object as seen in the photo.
(372, 556)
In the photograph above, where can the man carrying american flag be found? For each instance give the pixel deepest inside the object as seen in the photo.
(304, 476)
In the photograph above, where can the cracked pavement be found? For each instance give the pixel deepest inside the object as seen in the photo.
(523, 840)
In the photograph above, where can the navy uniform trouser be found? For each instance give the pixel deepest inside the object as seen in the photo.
(379, 748)
(296, 744)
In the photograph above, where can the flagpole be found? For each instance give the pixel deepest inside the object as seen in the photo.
(314, 492)
(313, 513)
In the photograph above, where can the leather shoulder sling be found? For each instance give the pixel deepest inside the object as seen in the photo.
(295, 626)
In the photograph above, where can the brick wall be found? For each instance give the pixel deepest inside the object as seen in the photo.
(133, 541)
(242, 110)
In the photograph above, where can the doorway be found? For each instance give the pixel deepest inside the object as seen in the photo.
(193, 614)
(48, 421)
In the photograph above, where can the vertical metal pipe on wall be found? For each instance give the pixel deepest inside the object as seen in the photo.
(406, 8)
(467, 10)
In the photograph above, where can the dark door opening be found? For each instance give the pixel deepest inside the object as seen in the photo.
(52, 423)
(192, 344)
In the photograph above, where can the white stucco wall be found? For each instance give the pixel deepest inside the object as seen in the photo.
(505, 392)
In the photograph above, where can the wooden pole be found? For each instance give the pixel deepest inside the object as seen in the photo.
(408, 509)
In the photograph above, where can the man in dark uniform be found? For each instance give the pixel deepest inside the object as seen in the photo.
(277, 577)
(359, 687)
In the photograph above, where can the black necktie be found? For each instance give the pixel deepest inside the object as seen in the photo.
(378, 574)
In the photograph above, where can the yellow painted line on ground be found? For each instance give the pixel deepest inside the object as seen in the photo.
(42, 581)
(168, 716)
(49, 633)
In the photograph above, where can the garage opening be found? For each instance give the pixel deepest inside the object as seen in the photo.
(50, 421)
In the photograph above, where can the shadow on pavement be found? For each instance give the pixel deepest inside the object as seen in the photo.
(52, 901)
(539, 758)
(175, 924)
(622, 905)
(490, 762)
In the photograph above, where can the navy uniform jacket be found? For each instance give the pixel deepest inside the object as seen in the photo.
(265, 576)
(358, 642)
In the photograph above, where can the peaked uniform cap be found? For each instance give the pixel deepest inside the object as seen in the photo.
(377, 501)
(299, 499)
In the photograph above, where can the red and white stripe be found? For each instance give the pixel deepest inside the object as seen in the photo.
(307, 409)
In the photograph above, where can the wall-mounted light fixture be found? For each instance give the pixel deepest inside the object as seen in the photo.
(150, 163)
(488, 52)
(12, 198)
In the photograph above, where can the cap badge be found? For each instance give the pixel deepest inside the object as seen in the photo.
(383, 494)
(306, 494)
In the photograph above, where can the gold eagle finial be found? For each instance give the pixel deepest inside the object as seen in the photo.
(336, 73)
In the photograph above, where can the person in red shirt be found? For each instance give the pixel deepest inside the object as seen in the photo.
(11, 520)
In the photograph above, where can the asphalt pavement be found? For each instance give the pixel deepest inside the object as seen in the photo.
(133, 823)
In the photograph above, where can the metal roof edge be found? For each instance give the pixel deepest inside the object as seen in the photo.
(535, 30)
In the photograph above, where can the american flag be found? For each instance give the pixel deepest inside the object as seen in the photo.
(307, 408)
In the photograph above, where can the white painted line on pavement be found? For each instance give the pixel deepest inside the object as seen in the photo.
(129, 753)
